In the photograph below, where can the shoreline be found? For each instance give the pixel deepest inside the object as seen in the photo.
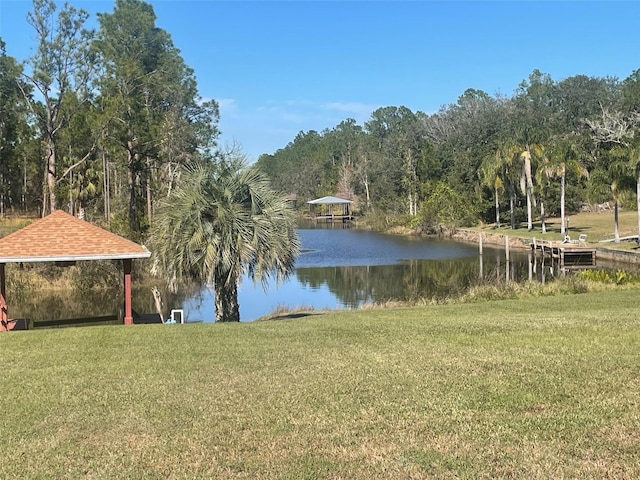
(524, 243)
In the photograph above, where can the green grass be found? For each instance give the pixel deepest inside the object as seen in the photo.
(10, 225)
(540, 387)
(597, 226)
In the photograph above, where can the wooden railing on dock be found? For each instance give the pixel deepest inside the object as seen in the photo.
(567, 255)
(332, 218)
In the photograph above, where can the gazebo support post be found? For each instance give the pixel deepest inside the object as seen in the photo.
(4, 316)
(128, 316)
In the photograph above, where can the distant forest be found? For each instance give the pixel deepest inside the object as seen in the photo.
(552, 147)
(102, 122)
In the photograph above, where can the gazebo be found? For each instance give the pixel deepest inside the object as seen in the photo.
(60, 237)
(344, 209)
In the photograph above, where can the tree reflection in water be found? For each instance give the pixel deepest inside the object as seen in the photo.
(409, 281)
(72, 303)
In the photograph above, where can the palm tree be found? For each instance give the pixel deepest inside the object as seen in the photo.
(499, 169)
(612, 182)
(528, 154)
(564, 157)
(612, 133)
(224, 220)
(491, 175)
(634, 158)
(544, 173)
(620, 173)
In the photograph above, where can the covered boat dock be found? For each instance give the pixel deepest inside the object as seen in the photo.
(330, 209)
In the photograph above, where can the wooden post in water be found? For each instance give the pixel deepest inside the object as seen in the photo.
(535, 255)
(506, 247)
(506, 251)
(480, 256)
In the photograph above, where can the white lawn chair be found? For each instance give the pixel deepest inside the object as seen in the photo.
(582, 239)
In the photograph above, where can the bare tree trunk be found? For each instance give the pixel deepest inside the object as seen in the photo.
(106, 187)
(149, 202)
(529, 186)
(226, 301)
(529, 212)
(638, 204)
(542, 217)
(157, 298)
(23, 198)
(132, 200)
(45, 195)
(366, 189)
(616, 232)
(132, 179)
(72, 207)
(512, 206)
(51, 174)
(563, 181)
(497, 208)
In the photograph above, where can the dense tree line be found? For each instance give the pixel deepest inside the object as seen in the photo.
(109, 123)
(99, 121)
(551, 148)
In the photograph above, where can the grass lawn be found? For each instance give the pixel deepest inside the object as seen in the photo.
(597, 226)
(545, 387)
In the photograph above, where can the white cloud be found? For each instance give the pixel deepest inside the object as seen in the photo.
(271, 124)
(228, 106)
(356, 108)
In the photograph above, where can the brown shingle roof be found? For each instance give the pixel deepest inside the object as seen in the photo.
(63, 237)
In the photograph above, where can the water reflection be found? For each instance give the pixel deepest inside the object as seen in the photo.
(448, 269)
(339, 268)
(57, 304)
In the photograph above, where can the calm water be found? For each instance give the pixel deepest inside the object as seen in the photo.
(346, 268)
(338, 268)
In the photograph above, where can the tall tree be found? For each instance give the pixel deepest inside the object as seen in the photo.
(60, 69)
(504, 167)
(146, 91)
(530, 154)
(221, 221)
(491, 175)
(565, 156)
(533, 121)
(401, 141)
(612, 132)
(14, 129)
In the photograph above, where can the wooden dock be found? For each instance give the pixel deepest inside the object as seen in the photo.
(568, 256)
(332, 218)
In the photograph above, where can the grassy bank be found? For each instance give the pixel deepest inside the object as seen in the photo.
(540, 387)
(597, 227)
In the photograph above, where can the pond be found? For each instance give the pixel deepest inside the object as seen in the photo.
(339, 268)
(346, 268)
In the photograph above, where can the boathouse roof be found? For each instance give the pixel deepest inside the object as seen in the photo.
(329, 201)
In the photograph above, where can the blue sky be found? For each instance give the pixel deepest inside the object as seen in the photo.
(278, 68)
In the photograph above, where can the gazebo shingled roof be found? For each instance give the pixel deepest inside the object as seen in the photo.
(60, 237)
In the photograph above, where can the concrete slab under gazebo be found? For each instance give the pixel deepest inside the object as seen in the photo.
(342, 205)
(60, 237)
